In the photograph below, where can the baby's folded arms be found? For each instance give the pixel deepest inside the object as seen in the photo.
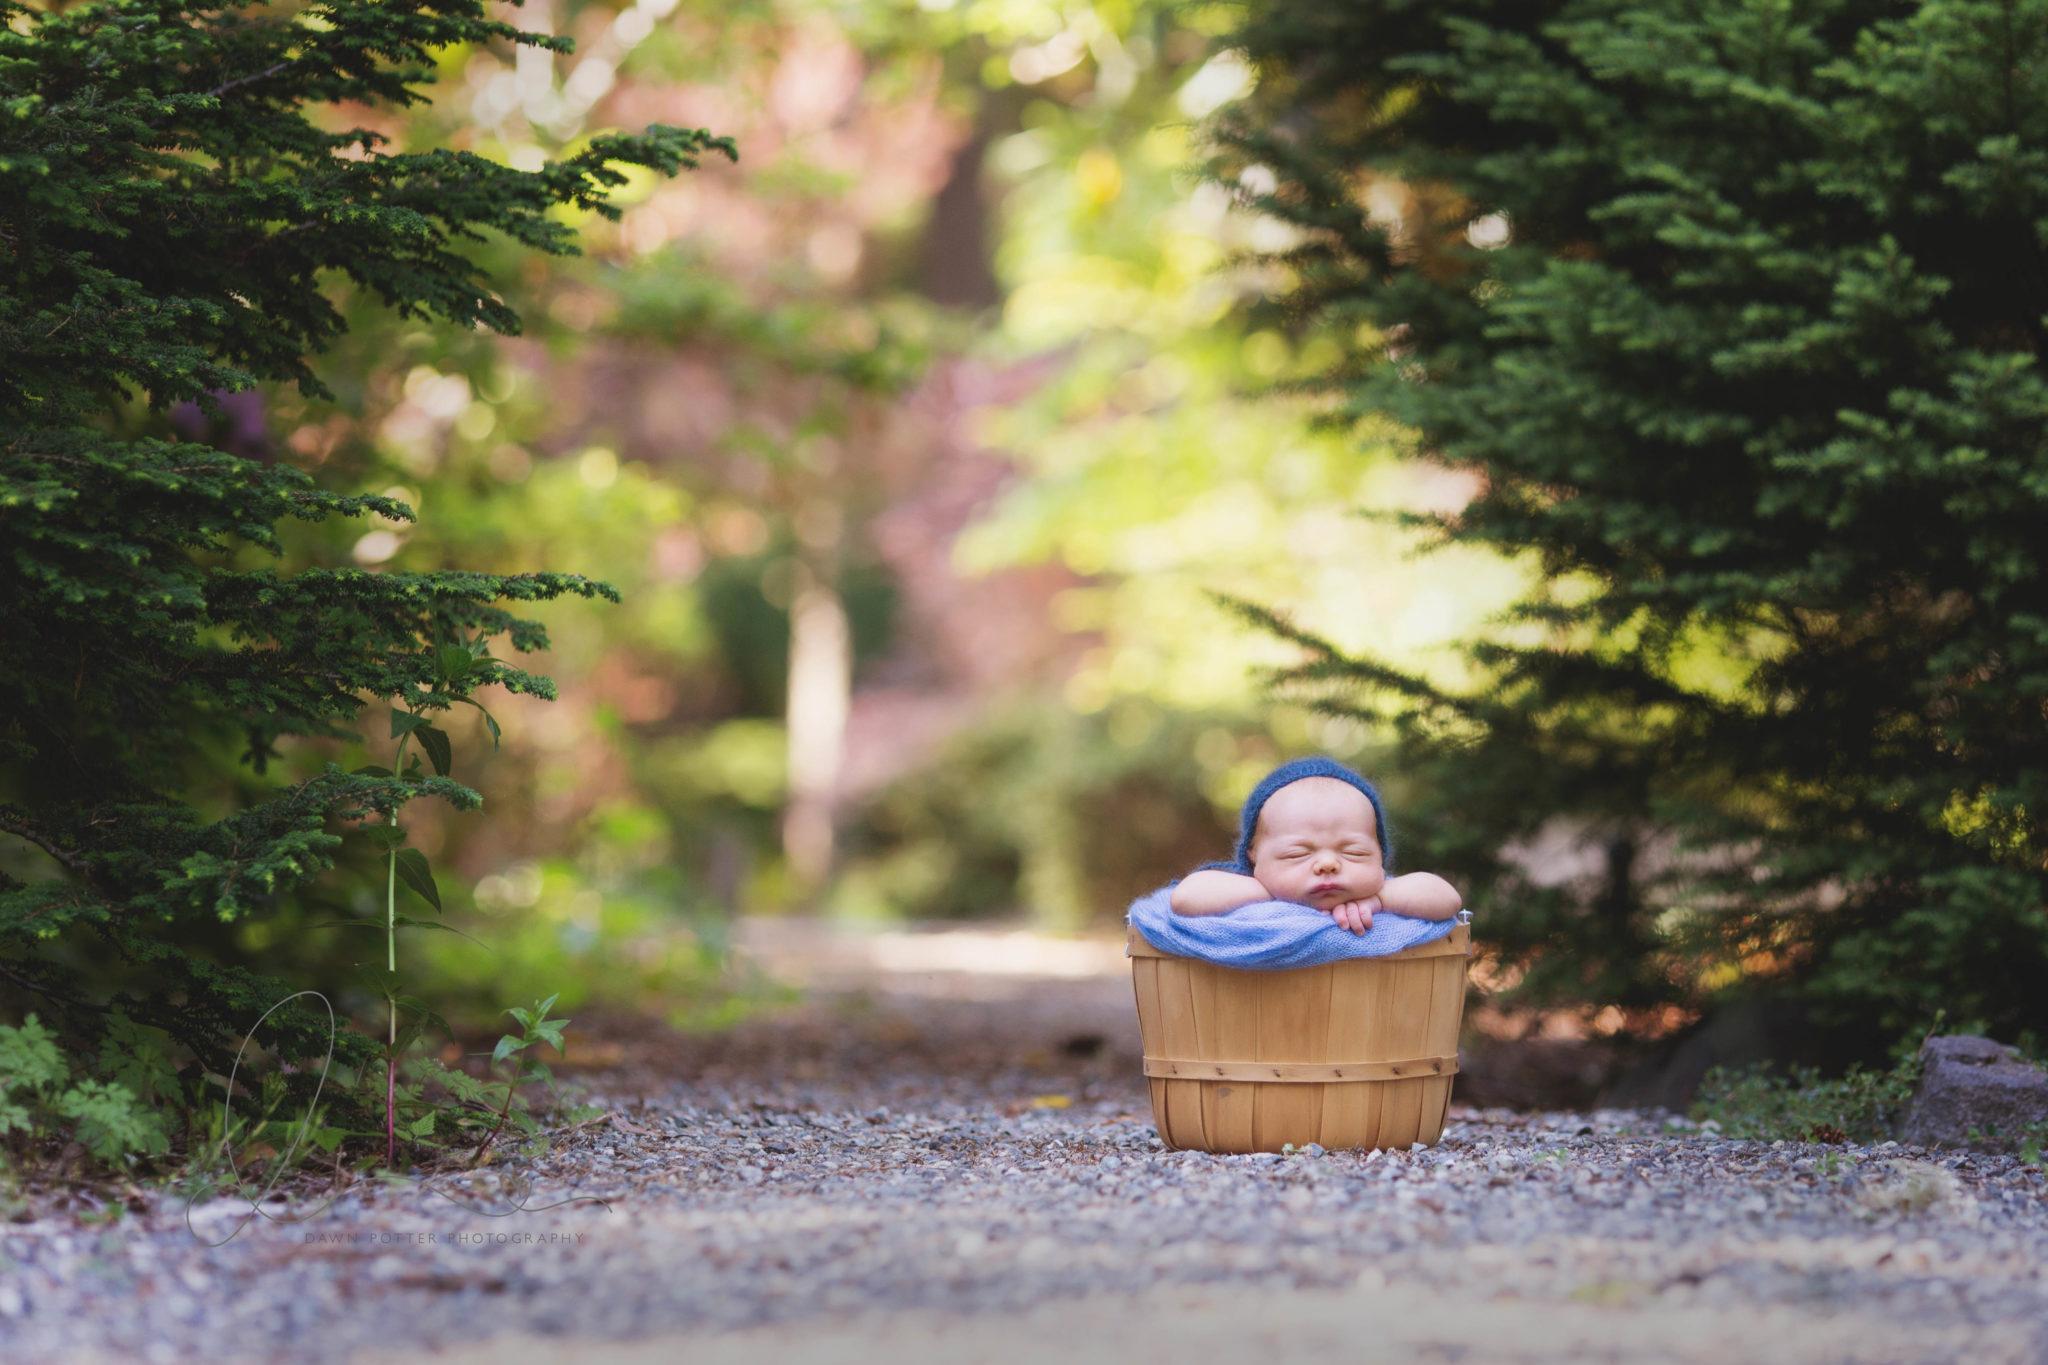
(1420, 895)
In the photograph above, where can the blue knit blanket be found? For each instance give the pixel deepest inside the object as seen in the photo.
(1274, 933)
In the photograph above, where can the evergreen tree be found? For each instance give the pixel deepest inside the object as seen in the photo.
(171, 222)
(1735, 310)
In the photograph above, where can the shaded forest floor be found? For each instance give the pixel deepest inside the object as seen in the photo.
(945, 1153)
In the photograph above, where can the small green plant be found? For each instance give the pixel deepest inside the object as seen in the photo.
(446, 1111)
(535, 1027)
(457, 670)
(1799, 1106)
(262, 1144)
(2027, 1141)
(39, 1098)
(426, 1104)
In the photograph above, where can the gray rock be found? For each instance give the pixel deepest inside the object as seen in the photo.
(1974, 1085)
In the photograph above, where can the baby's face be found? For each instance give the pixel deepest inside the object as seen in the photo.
(1318, 844)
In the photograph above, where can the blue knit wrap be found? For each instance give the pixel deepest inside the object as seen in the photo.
(1248, 823)
(1273, 934)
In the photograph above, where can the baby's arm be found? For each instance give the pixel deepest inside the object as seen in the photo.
(1421, 895)
(1213, 891)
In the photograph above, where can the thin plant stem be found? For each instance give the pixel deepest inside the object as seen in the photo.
(492, 1136)
(391, 882)
(391, 965)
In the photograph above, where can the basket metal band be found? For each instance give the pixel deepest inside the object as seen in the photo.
(1457, 943)
(1314, 1073)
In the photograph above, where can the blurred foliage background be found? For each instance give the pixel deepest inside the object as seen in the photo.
(921, 444)
(915, 443)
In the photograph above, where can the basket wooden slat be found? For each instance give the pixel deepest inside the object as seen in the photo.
(1349, 1054)
(1233, 1018)
(1195, 1069)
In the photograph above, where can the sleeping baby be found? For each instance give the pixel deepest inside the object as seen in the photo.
(1313, 833)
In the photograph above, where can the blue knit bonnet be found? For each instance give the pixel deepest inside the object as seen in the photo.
(1294, 772)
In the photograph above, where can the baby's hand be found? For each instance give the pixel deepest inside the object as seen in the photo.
(1355, 915)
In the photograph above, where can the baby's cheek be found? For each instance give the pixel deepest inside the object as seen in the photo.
(1277, 879)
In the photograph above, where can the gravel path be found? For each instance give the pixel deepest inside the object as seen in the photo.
(889, 1174)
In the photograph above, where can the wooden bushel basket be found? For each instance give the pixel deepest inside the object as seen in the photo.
(1350, 1054)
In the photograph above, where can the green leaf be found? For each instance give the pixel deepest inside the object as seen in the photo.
(29, 1057)
(372, 770)
(377, 976)
(463, 1086)
(453, 662)
(407, 922)
(386, 836)
(405, 722)
(435, 742)
(490, 721)
(279, 1131)
(138, 1056)
(507, 1046)
(415, 872)
(426, 1012)
(541, 1010)
(112, 1121)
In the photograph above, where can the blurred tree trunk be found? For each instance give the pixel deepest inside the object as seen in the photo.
(956, 266)
(820, 695)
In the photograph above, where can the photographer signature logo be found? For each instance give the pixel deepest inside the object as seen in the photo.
(521, 1187)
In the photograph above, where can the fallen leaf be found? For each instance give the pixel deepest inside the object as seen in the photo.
(1051, 1101)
